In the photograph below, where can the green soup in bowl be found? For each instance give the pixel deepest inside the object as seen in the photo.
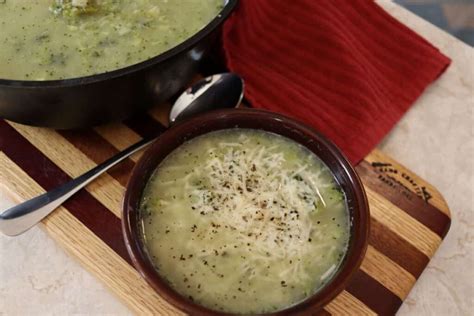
(244, 221)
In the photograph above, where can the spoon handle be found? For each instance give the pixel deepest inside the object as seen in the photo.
(22, 217)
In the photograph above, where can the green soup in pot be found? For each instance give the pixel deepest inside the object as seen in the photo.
(50, 39)
(244, 221)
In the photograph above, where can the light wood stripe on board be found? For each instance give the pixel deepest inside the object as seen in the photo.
(403, 224)
(437, 199)
(346, 304)
(97, 257)
(387, 273)
(120, 136)
(73, 162)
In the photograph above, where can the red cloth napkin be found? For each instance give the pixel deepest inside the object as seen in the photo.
(345, 67)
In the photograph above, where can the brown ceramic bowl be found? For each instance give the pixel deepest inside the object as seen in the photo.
(255, 119)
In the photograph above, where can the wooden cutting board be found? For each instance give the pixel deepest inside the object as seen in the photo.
(409, 216)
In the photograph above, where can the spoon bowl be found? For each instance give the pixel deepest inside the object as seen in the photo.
(215, 92)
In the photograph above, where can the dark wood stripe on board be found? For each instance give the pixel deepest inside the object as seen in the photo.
(396, 248)
(98, 150)
(373, 294)
(82, 205)
(145, 126)
(416, 207)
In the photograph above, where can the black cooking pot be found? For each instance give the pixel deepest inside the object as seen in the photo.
(115, 95)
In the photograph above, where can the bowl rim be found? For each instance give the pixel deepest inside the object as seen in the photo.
(187, 44)
(359, 204)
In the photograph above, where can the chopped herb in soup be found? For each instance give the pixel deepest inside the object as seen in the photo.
(59, 39)
(244, 221)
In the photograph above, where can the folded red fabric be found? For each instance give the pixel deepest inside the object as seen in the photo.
(345, 67)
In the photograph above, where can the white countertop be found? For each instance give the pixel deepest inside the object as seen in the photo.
(435, 140)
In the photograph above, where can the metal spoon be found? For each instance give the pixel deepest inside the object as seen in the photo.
(214, 92)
